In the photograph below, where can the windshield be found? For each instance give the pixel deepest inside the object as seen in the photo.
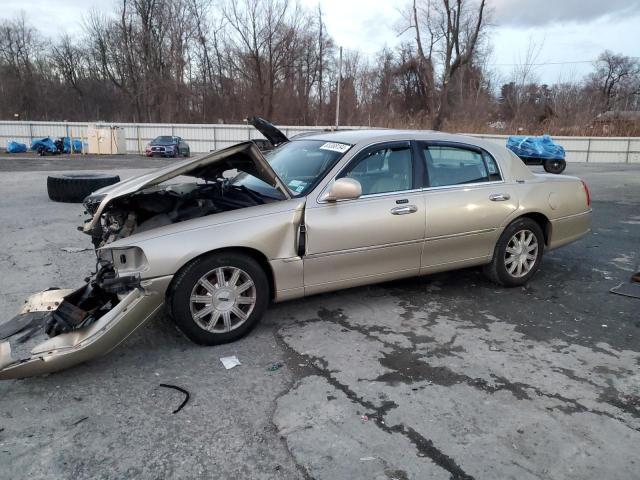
(164, 140)
(299, 164)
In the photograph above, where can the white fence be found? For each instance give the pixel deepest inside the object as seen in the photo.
(206, 137)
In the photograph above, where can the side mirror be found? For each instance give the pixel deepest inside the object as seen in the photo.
(343, 189)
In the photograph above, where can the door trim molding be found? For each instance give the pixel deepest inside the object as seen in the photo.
(362, 249)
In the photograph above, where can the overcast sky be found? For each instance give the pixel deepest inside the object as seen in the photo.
(565, 32)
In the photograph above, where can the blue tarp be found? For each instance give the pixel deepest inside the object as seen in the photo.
(16, 147)
(535, 147)
(50, 146)
(77, 145)
(45, 142)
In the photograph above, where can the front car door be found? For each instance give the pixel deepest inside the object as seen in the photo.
(378, 236)
(467, 202)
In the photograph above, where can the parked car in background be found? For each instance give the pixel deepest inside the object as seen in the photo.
(323, 212)
(167, 146)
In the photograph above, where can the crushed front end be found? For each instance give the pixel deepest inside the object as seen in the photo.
(57, 329)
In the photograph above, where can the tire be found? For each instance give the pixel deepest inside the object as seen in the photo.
(556, 166)
(224, 324)
(74, 187)
(498, 270)
(187, 153)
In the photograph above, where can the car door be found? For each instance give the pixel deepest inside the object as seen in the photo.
(376, 236)
(466, 202)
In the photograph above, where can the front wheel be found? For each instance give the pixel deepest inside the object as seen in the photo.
(555, 165)
(517, 255)
(219, 298)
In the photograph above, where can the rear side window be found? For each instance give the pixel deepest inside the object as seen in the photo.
(456, 166)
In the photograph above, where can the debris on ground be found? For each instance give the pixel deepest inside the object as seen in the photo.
(179, 389)
(367, 459)
(78, 422)
(74, 249)
(364, 418)
(230, 362)
(274, 366)
(627, 289)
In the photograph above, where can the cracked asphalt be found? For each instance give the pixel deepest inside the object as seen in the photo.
(444, 376)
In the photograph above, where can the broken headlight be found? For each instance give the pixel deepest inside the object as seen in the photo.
(92, 202)
(125, 261)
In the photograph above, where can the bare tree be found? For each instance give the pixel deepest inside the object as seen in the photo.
(460, 23)
(617, 77)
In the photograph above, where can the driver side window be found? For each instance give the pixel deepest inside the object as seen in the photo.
(385, 170)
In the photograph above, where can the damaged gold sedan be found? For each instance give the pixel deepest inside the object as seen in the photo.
(215, 239)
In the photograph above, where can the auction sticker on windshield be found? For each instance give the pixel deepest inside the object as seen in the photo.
(335, 147)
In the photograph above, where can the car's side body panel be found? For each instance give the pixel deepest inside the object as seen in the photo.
(463, 222)
(270, 229)
(378, 241)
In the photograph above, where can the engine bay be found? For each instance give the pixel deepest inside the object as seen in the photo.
(162, 205)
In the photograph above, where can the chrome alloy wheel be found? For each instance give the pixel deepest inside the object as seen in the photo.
(521, 253)
(222, 299)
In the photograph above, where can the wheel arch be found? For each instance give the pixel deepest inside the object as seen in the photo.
(257, 255)
(542, 220)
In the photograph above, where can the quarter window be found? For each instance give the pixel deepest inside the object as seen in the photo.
(384, 170)
(456, 166)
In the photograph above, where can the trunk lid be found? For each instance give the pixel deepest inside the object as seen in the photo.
(270, 132)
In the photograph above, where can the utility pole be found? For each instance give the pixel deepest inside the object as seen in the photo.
(338, 93)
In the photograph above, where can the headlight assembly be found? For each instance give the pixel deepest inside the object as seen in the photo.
(125, 260)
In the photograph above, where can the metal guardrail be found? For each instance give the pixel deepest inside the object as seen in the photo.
(206, 137)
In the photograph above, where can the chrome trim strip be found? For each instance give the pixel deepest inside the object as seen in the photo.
(368, 196)
(588, 212)
(362, 249)
(463, 234)
(463, 185)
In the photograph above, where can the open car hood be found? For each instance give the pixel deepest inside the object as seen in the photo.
(245, 157)
(270, 132)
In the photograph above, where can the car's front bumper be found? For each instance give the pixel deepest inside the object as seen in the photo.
(77, 346)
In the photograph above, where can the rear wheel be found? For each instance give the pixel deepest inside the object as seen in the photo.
(555, 165)
(517, 254)
(219, 298)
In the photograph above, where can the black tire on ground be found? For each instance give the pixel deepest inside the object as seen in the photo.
(74, 187)
(556, 165)
(179, 296)
(497, 271)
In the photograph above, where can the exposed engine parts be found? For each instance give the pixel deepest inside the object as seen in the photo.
(87, 304)
(163, 205)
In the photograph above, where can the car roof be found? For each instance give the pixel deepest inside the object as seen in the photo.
(364, 137)
(355, 137)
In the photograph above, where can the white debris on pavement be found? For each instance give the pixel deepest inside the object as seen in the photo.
(230, 362)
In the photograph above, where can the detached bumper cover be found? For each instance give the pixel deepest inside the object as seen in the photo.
(77, 346)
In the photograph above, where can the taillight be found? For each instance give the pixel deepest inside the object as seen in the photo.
(586, 191)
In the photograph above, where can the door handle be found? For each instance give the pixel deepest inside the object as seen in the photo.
(499, 197)
(404, 210)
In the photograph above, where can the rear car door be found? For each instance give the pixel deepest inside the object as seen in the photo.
(467, 201)
(376, 236)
